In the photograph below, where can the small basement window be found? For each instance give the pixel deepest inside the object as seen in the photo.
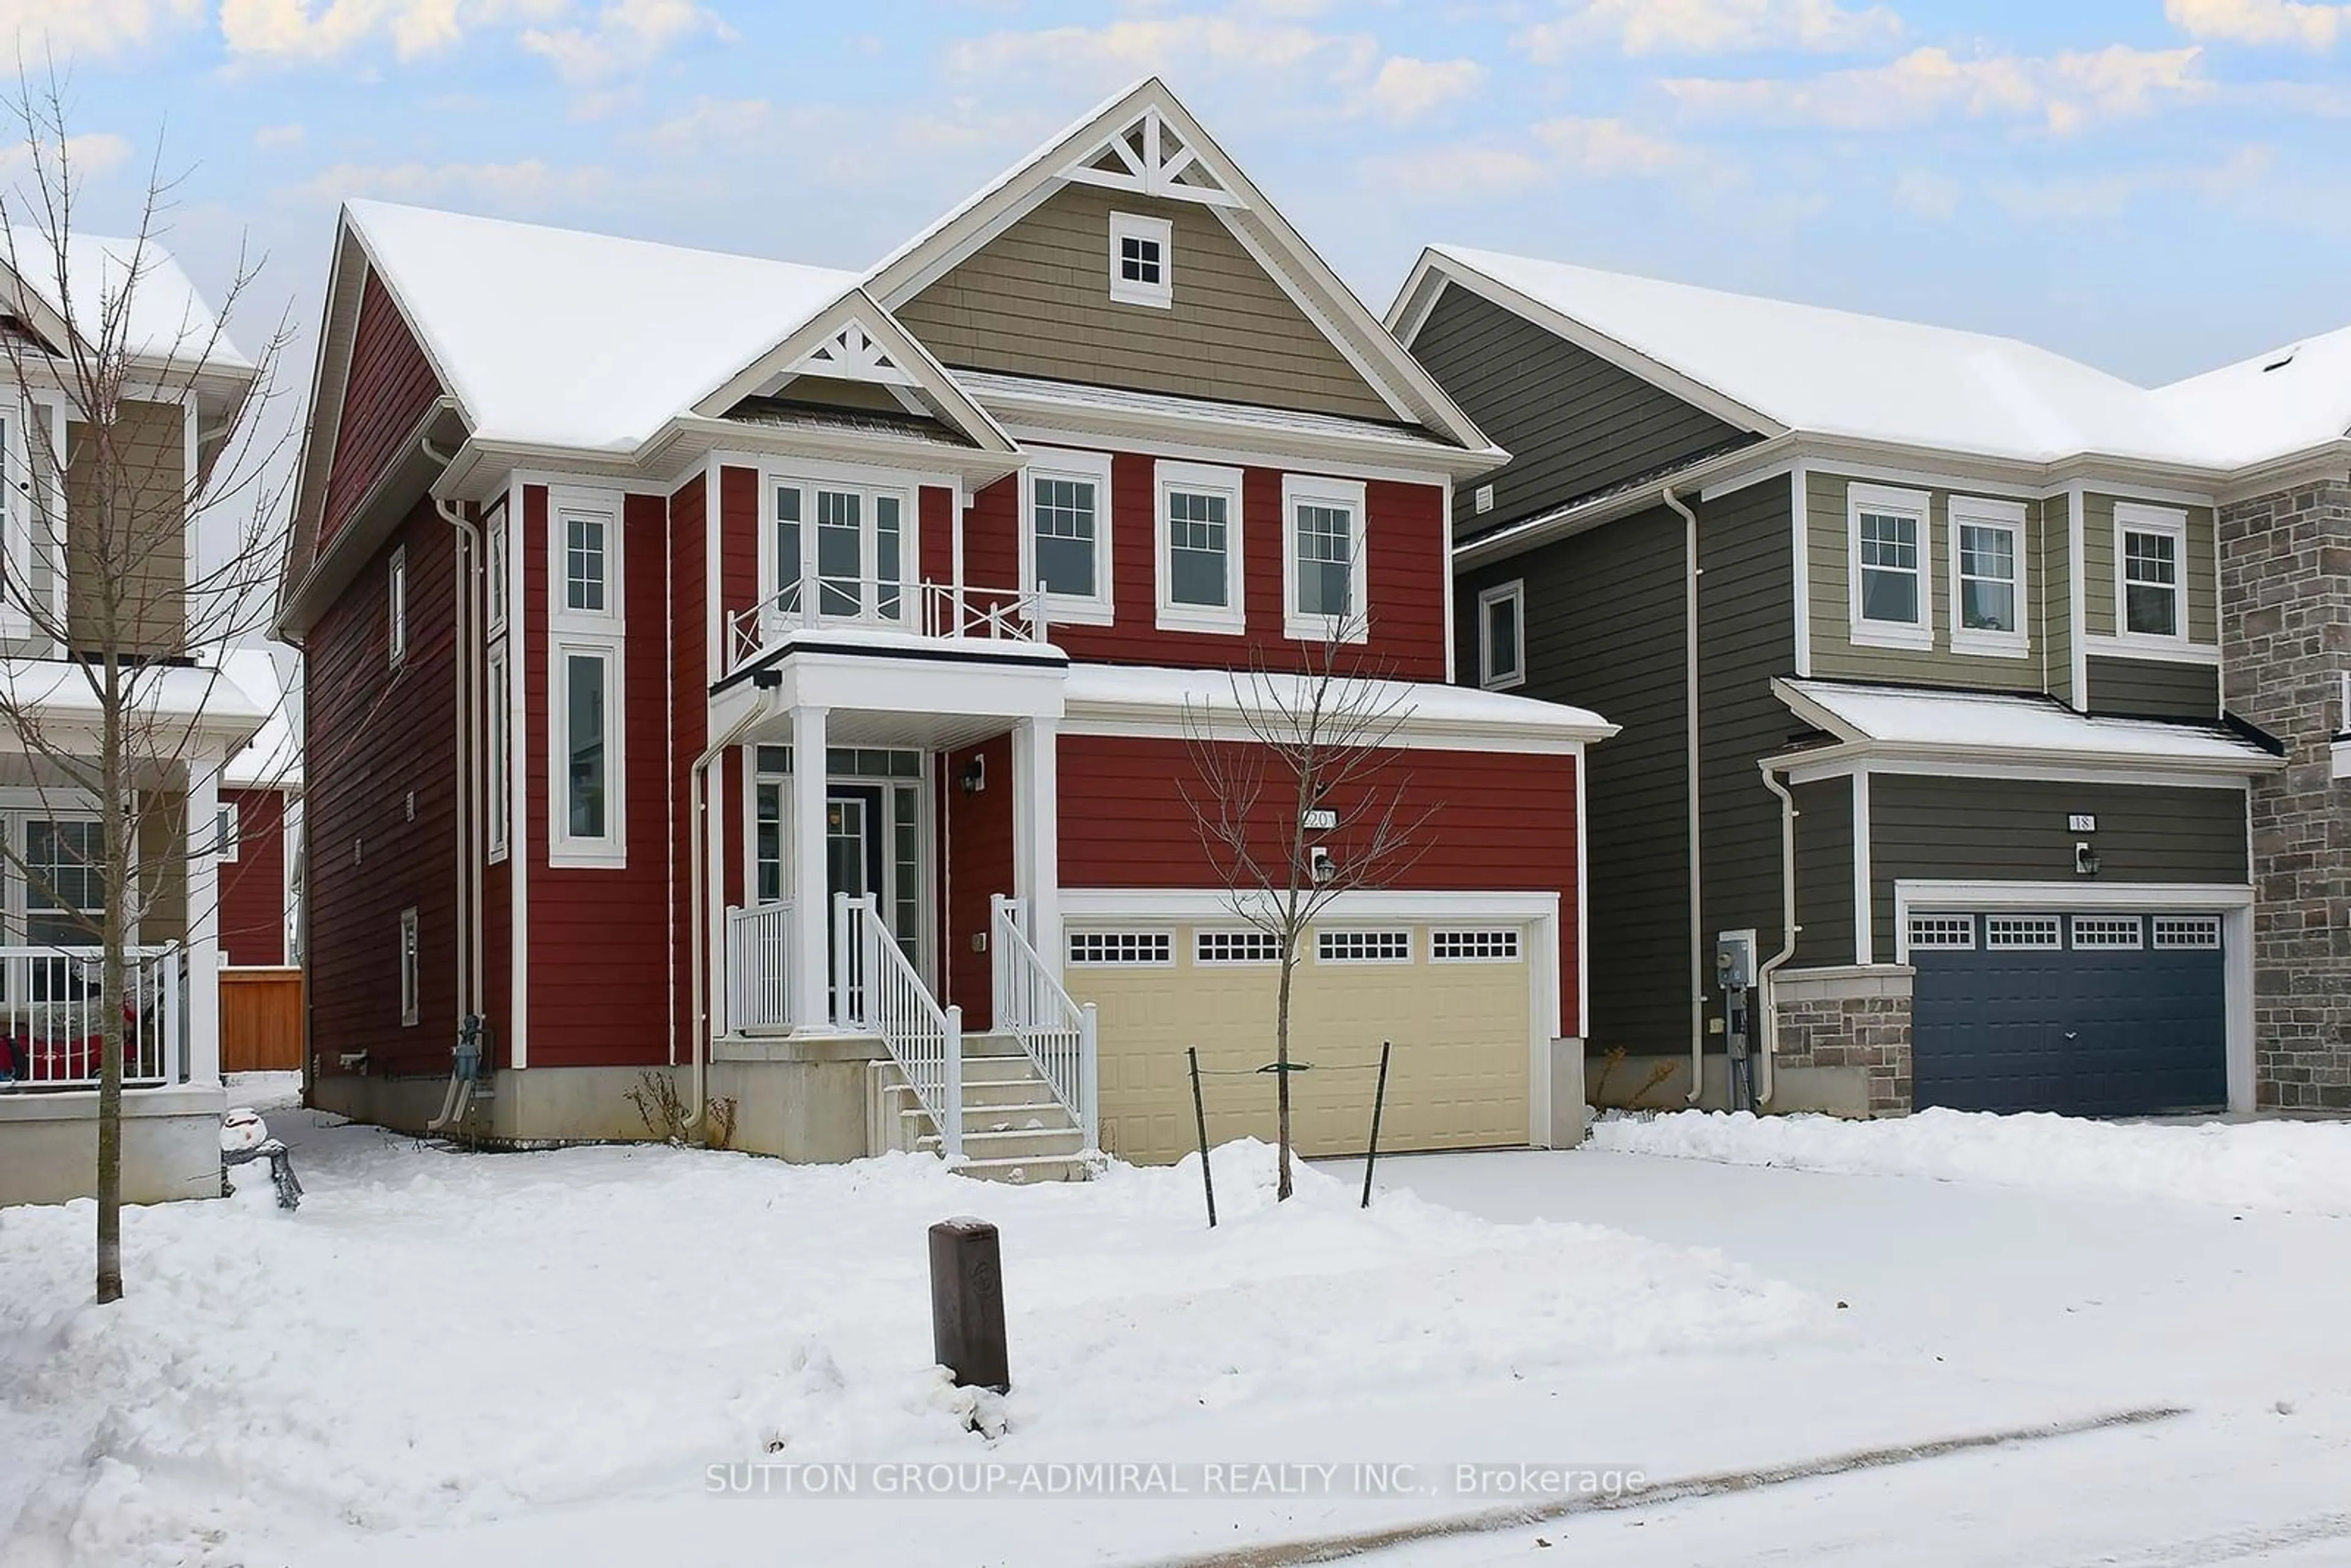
(1142, 260)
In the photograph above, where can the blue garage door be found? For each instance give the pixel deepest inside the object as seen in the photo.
(2093, 1015)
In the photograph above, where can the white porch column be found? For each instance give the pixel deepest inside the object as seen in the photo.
(812, 907)
(203, 832)
(1035, 833)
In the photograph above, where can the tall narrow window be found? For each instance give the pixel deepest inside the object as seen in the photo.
(1503, 636)
(1888, 564)
(396, 605)
(65, 882)
(587, 650)
(791, 586)
(1987, 583)
(1323, 560)
(499, 771)
(225, 832)
(410, 999)
(839, 552)
(1066, 535)
(1199, 548)
(586, 775)
(494, 571)
(2151, 548)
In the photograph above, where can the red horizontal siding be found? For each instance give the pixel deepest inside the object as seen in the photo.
(378, 735)
(688, 587)
(1501, 822)
(253, 887)
(386, 390)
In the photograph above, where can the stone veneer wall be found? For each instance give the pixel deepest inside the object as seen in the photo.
(1857, 1020)
(2285, 627)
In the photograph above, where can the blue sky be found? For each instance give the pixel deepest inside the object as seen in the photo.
(2152, 185)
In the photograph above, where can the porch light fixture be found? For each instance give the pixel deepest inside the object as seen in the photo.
(2086, 859)
(974, 778)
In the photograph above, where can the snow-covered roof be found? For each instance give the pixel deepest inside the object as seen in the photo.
(1425, 713)
(1908, 721)
(553, 337)
(171, 702)
(1005, 395)
(167, 318)
(1840, 373)
(2283, 402)
(273, 758)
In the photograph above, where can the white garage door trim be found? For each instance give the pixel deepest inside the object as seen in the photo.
(2232, 901)
(1538, 911)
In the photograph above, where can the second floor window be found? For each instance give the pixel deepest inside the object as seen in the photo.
(396, 605)
(1988, 576)
(1323, 560)
(583, 564)
(1888, 564)
(1503, 636)
(1199, 548)
(1066, 535)
(2152, 546)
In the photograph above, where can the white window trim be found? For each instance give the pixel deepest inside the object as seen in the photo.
(2136, 518)
(1200, 479)
(1473, 935)
(395, 607)
(1160, 296)
(1297, 488)
(1515, 592)
(1342, 936)
(494, 536)
(609, 851)
(228, 833)
(1243, 936)
(499, 720)
(1098, 608)
(1979, 511)
(1918, 504)
(562, 505)
(410, 960)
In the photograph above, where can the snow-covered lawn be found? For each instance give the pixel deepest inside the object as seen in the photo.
(439, 1340)
(2294, 1166)
(533, 1359)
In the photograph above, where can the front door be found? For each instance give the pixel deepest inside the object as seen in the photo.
(853, 865)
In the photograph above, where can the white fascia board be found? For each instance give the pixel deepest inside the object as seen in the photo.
(1581, 517)
(1840, 762)
(1388, 903)
(1007, 689)
(1053, 423)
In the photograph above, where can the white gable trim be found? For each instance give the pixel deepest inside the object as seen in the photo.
(1153, 158)
(852, 354)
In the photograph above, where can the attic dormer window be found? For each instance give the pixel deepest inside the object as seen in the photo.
(1142, 260)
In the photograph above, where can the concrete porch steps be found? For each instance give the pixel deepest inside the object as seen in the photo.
(1013, 1128)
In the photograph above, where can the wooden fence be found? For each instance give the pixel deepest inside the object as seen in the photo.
(261, 1020)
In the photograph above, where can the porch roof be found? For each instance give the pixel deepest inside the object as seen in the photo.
(175, 707)
(1115, 698)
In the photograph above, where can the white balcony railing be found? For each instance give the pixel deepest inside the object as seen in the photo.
(51, 1025)
(917, 609)
(760, 966)
(1057, 1034)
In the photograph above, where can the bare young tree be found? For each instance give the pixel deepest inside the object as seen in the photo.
(142, 499)
(1299, 799)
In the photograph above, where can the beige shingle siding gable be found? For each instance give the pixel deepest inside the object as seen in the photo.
(1035, 302)
(152, 443)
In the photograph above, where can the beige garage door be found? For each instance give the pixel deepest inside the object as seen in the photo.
(1456, 1000)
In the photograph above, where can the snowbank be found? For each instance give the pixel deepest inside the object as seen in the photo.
(2301, 1167)
(438, 1339)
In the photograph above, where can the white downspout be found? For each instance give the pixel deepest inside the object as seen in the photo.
(1767, 1044)
(697, 1013)
(468, 788)
(1690, 700)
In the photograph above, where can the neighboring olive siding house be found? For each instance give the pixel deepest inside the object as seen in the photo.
(1948, 739)
(189, 722)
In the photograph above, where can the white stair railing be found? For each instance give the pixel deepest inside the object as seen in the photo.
(887, 995)
(1057, 1034)
(760, 966)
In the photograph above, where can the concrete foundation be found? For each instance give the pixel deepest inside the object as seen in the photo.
(171, 1145)
(1843, 1050)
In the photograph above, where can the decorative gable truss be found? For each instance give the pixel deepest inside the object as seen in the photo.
(1149, 156)
(853, 354)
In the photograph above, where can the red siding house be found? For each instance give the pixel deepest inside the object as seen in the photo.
(795, 684)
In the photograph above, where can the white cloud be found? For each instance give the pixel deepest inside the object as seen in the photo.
(1406, 88)
(528, 184)
(1117, 52)
(1926, 193)
(91, 154)
(2260, 21)
(627, 35)
(2106, 195)
(92, 27)
(1570, 148)
(279, 136)
(1710, 28)
(2064, 90)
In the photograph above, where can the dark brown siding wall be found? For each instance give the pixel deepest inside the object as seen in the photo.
(380, 733)
(2154, 688)
(2007, 829)
(1503, 823)
(1823, 874)
(1746, 634)
(1405, 575)
(389, 388)
(1572, 423)
(253, 887)
(598, 976)
(1604, 631)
